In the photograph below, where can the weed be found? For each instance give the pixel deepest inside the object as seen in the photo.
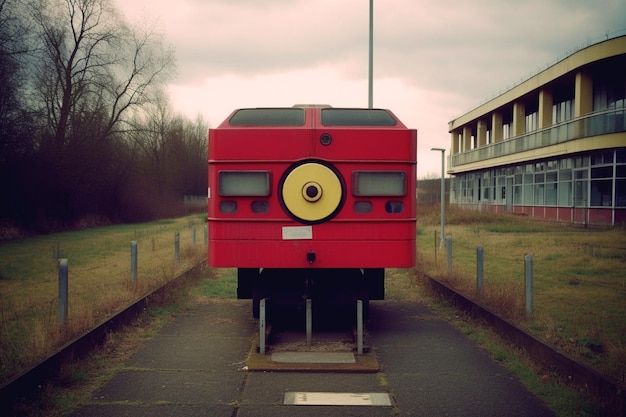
(99, 282)
(578, 286)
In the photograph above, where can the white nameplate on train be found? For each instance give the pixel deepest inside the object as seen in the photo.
(297, 232)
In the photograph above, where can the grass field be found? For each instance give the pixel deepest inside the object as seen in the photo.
(579, 280)
(99, 281)
(579, 277)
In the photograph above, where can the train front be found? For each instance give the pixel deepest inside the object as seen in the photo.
(311, 202)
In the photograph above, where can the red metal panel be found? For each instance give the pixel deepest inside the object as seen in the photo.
(328, 254)
(377, 239)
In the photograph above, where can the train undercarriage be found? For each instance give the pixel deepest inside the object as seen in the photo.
(291, 287)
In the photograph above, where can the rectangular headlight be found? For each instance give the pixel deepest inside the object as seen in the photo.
(244, 183)
(379, 183)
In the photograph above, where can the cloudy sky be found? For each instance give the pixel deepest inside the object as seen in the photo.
(433, 59)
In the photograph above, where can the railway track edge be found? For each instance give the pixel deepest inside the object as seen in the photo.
(610, 393)
(24, 385)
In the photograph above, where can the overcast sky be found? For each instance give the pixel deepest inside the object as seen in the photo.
(433, 59)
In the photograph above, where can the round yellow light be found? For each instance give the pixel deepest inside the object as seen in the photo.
(312, 192)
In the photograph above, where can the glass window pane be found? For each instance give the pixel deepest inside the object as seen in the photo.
(551, 194)
(517, 195)
(620, 193)
(565, 194)
(379, 183)
(268, 117)
(601, 193)
(244, 183)
(539, 201)
(580, 194)
(602, 172)
(528, 195)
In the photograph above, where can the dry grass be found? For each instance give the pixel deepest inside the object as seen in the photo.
(579, 281)
(99, 282)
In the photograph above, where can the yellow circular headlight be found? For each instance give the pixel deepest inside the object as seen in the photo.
(312, 192)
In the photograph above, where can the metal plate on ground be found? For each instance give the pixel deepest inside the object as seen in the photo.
(313, 357)
(337, 398)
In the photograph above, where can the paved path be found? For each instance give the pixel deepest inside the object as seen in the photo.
(196, 367)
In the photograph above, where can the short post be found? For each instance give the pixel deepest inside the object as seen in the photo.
(479, 270)
(177, 247)
(449, 249)
(63, 290)
(262, 326)
(435, 246)
(359, 327)
(309, 323)
(528, 270)
(193, 236)
(133, 261)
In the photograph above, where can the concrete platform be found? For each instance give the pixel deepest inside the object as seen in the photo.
(198, 366)
(313, 357)
(311, 362)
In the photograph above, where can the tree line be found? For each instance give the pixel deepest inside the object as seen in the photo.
(87, 134)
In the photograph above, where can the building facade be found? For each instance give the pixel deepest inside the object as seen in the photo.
(553, 147)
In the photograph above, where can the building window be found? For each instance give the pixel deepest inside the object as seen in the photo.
(501, 185)
(565, 182)
(620, 178)
(532, 122)
(539, 189)
(551, 183)
(609, 91)
(507, 128)
(580, 185)
(563, 111)
(601, 193)
(602, 179)
(517, 195)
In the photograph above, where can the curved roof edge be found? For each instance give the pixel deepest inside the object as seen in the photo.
(596, 52)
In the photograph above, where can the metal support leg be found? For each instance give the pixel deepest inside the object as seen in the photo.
(262, 326)
(309, 322)
(359, 327)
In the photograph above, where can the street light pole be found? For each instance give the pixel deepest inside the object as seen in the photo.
(370, 94)
(442, 195)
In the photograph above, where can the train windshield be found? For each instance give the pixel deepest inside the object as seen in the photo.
(268, 117)
(357, 117)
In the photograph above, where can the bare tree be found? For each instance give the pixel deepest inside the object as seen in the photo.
(13, 49)
(93, 66)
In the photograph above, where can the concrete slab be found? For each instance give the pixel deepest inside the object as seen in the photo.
(360, 399)
(162, 410)
(269, 387)
(313, 357)
(264, 363)
(170, 387)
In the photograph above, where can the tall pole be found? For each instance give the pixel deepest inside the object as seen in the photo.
(370, 98)
(442, 195)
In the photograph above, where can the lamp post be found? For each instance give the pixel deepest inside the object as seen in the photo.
(370, 78)
(443, 195)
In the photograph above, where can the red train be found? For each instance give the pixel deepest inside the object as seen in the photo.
(311, 202)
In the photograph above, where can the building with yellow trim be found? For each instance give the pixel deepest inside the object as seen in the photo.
(553, 147)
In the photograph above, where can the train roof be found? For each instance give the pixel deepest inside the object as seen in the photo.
(302, 115)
